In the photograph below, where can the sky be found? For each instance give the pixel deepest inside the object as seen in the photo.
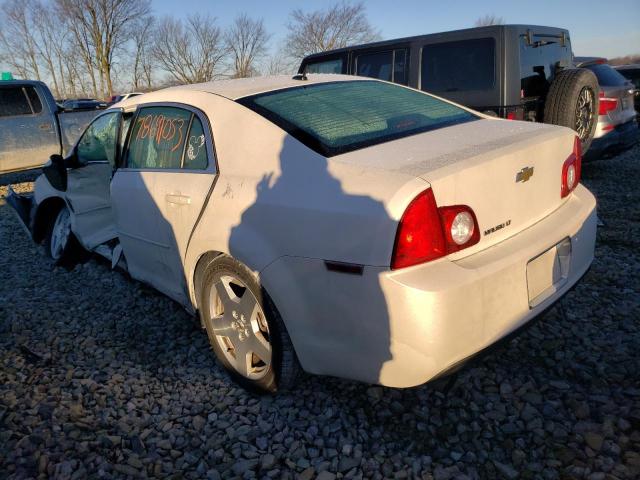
(598, 28)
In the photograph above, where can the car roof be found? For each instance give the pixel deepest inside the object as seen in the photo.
(236, 88)
(632, 66)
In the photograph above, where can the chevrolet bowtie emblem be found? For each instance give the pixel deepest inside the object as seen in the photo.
(524, 175)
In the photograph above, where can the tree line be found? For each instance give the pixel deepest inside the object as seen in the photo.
(97, 48)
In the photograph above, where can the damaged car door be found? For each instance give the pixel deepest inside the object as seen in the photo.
(167, 173)
(94, 160)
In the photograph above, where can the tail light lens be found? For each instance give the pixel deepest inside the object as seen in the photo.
(607, 104)
(427, 232)
(460, 227)
(571, 169)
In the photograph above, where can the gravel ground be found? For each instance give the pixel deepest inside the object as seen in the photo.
(103, 377)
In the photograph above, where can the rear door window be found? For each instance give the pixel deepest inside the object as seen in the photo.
(168, 138)
(195, 157)
(158, 138)
(14, 101)
(459, 66)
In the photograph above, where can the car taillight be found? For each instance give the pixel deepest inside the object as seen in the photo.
(460, 227)
(571, 169)
(426, 232)
(607, 104)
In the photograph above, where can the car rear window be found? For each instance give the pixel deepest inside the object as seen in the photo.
(631, 74)
(607, 76)
(459, 66)
(339, 117)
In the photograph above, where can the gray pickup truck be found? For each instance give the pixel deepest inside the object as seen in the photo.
(33, 127)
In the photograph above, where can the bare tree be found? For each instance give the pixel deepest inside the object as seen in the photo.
(143, 63)
(246, 40)
(488, 20)
(278, 64)
(49, 40)
(18, 38)
(338, 26)
(104, 26)
(189, 51)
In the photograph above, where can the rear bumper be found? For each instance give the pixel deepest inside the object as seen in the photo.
(460, 308)
(621, 137)
(403, 328)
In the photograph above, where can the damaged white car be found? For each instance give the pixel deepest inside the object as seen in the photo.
(348, 226)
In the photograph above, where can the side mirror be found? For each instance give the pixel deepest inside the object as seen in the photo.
(56, 172)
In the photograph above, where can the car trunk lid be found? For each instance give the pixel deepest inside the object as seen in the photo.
(509, 173)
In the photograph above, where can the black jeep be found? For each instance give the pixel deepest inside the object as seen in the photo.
(518, 72)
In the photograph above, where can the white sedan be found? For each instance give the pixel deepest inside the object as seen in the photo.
(344, 225)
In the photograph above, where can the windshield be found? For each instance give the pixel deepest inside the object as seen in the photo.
(339, 117)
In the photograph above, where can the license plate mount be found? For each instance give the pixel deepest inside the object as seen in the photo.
(548, 272)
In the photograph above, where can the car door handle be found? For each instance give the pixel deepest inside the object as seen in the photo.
(44, 126)
(178, 199)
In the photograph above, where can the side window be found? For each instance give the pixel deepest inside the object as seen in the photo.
(167, 138)
(158, 138)
(459, 66)
(99, 141)
(36, 105)
(13, 101)
(195, 157)
(375, 65)
(126, 123)
(328, 66)
(400, 67)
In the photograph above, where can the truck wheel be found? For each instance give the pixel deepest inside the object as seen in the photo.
(60, 243)
(573, 102)
(244, 328)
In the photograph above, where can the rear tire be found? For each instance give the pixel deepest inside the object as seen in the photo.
(60, 244)
(244, 327)
(573, 102)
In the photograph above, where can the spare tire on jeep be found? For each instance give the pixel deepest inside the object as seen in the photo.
(573, 102)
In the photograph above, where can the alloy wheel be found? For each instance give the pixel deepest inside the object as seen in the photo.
(585, 109)
(60, 233)
(239, 326)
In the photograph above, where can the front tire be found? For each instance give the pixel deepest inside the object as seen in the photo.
(573, 102)
(244, 328)
(60, 243)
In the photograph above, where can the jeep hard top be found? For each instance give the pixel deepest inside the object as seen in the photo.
(519, 72)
